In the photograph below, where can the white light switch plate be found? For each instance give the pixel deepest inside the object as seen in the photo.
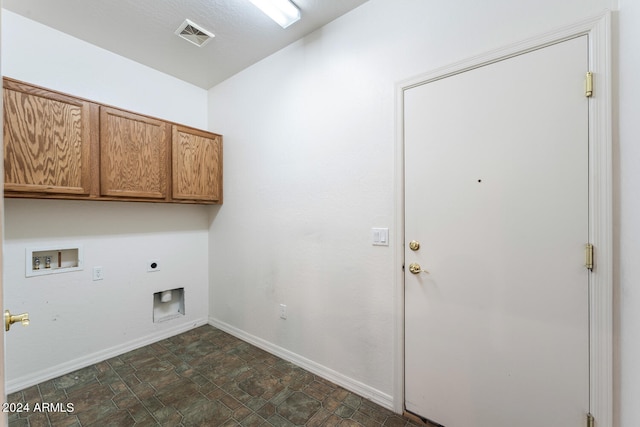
(380, 236)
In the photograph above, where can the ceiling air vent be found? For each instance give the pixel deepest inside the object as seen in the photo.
(194, 33)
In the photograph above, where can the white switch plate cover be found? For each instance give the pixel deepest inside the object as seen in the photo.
(380, 236)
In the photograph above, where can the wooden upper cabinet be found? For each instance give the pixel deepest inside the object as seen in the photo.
(134, 155)
(197, 165)
(48, 139)
(58, 146)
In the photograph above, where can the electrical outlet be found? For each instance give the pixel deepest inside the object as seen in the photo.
(153, 265)
(98, 273)
(283, 311)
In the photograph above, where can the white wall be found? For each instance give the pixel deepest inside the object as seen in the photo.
(74, 320)
(41, 55)
(627, 216)
(309, 169)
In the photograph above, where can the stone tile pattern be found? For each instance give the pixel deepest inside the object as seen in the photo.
(204, 377)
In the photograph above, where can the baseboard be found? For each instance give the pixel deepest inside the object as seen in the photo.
(82, 362)
(342, 380)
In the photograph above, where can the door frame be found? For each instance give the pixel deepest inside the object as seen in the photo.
(598, 30)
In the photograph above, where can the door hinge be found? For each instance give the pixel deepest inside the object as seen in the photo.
(591, 422)
(588, 256)
(588, 85)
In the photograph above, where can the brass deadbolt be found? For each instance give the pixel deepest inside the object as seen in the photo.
(414, 245)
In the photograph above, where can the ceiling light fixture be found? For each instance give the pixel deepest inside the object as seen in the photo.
(284, 12)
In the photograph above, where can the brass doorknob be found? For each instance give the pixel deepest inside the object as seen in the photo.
(416, 269)
(10, 319)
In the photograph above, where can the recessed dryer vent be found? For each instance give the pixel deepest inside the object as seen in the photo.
(168, 305)
(193, 33)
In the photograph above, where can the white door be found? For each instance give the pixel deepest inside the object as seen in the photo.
(496, 194)
(3, 418)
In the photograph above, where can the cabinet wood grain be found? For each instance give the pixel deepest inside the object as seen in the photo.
(58, 146)
(197, 165)
(134, 154)
(48, 139)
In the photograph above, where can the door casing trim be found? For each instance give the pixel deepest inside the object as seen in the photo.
(598, 30)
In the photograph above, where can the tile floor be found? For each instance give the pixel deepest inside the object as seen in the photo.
(204, 377)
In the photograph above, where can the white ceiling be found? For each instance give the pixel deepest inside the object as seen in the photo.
(143, 30)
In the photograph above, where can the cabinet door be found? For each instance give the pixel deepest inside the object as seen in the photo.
(134, 159)
(47, 141)
(197, 165)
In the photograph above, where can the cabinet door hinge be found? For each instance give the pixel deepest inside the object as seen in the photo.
(591, 422)
(588, 85)
(588, 256)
